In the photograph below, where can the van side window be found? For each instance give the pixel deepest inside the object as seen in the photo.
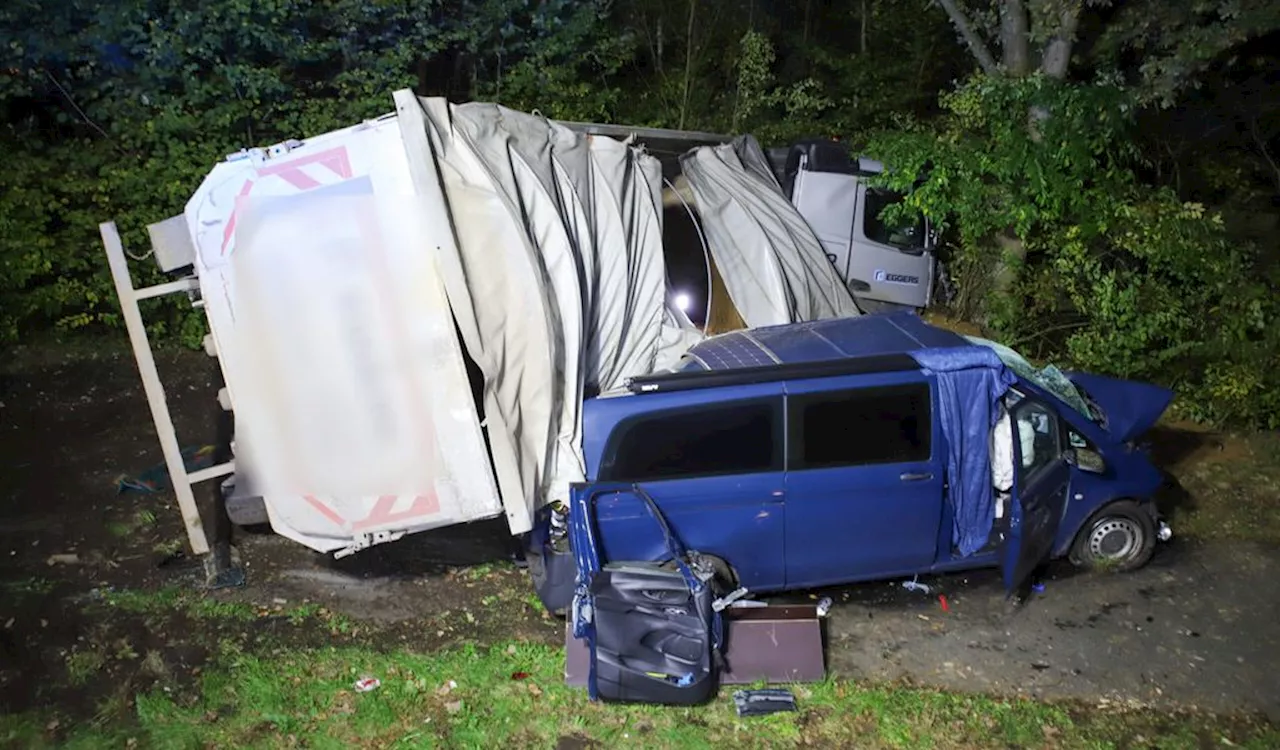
(866, 426)
(725, 438)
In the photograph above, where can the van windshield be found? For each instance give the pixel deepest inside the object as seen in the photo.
(1049, 378)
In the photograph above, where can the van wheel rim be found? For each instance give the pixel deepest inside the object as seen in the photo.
(1115, 539)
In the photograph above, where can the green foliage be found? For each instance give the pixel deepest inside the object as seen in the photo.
(567, 54)
(1179, 41)
(774, 113)
(119, 114)
(1036, 178)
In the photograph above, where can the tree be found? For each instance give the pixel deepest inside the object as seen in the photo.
(118, 112)
(1166, 44)
(1051, 22)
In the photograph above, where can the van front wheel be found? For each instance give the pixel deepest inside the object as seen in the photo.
(1120, 537)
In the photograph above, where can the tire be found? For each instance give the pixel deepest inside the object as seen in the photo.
(536, 565)
(1120, 537)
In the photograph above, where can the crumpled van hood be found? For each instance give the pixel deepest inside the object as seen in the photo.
(1131, 407)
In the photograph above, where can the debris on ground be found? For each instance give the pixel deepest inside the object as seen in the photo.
(915, 585)
(172, 558)
(761, 702)
(365, 684)
(156, 479)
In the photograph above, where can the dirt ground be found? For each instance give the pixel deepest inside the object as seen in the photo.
(1195, 628)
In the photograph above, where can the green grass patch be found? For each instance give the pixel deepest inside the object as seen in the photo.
(198, 605)
(82, 666)
(469, 698)
(34, 586)
(1234, 492)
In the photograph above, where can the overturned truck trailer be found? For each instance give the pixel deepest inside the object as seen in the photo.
(351, 280)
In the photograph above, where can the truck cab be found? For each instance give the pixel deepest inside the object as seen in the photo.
(885, 263)
(848, 450)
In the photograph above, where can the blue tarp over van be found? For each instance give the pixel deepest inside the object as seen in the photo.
(971, 379)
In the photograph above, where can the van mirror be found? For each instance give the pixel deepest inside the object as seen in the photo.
(1087, 460)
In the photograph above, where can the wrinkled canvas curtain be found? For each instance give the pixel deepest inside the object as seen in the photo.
(771, 261)
(557, 279)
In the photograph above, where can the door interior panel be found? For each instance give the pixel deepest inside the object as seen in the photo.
(652, 640)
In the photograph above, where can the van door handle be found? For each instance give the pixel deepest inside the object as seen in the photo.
(912, 477)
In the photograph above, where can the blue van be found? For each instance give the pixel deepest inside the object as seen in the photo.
(857, 449)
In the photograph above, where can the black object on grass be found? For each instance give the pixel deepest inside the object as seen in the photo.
(760, 702)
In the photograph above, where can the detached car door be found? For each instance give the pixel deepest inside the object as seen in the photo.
(1043, 477)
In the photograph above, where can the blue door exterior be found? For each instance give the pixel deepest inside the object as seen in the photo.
(864, 480)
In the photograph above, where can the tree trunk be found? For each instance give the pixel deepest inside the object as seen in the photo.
(658, 57)
(971, 38)
(1015, 53)
(862, 37)
(808, 5)
(1013, 253)
(1057, 52)
(688, 63)
(1014, 39)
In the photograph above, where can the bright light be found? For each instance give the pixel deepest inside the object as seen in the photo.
(682, 301)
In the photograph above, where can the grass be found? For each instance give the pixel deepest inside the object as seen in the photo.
(197, 605)
(140, 520)
(33, 586)
(83, 665)
(1235, 490)
(307, 697)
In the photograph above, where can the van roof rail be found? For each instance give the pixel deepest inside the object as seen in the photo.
(686, 380)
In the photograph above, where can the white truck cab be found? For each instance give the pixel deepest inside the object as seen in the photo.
(885, 264)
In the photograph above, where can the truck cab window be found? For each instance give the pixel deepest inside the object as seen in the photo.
(905, 233)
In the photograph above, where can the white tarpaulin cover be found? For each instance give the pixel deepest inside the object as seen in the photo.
(771, 261)
(335, 270)
(557, 277)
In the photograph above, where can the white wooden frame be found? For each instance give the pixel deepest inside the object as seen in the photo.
(182, 481)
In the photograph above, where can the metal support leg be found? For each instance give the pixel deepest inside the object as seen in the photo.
(154, 390)
(220, 571)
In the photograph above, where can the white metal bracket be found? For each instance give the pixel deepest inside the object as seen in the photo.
(365, 541)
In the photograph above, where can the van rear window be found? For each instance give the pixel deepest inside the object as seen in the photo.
(866, 426)
(725, 438)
